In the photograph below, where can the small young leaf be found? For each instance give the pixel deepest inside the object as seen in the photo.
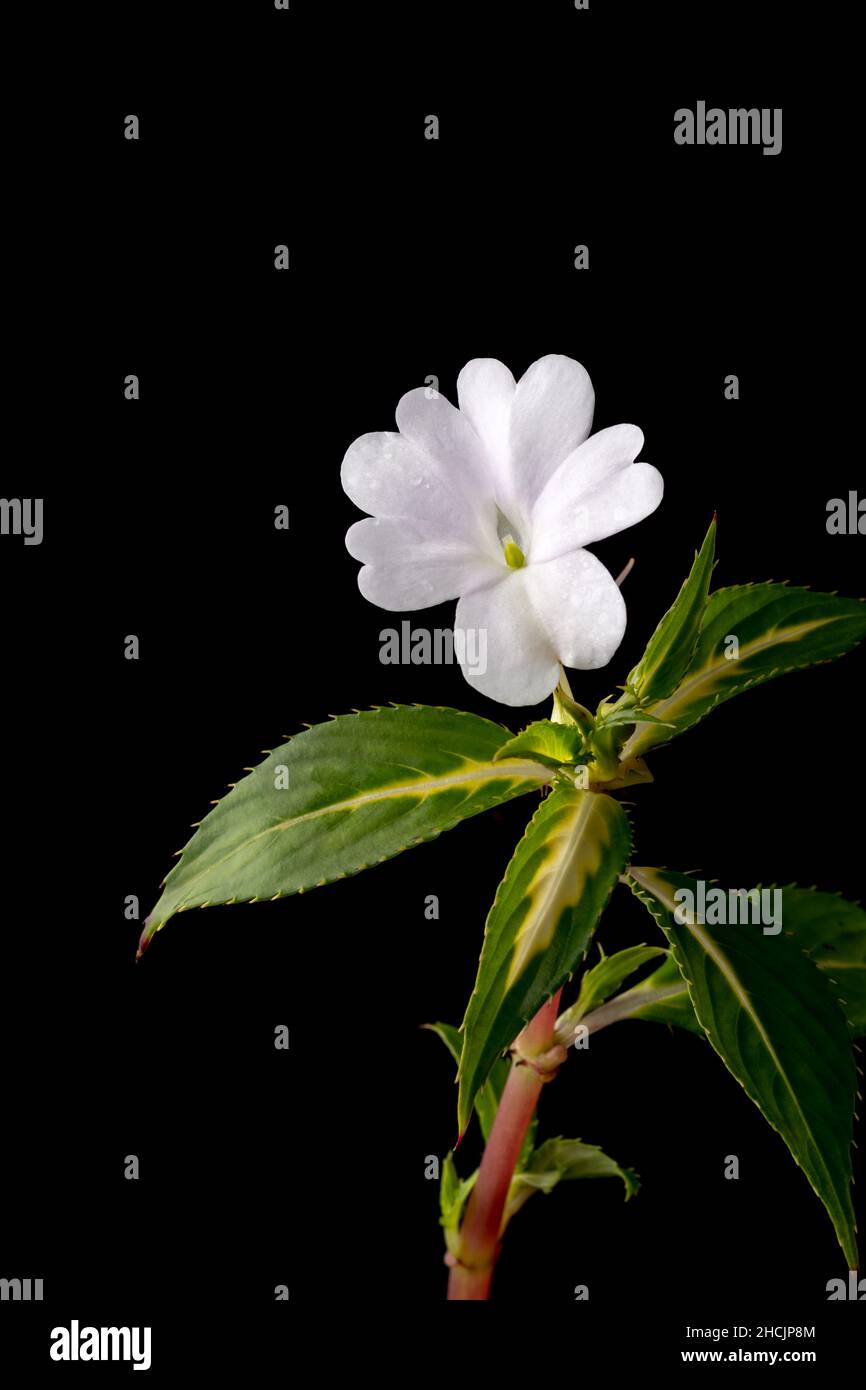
(342, 796)
(751, 633)
(603, 980)
(545, 742)
(567, 711)
(555, 1161)
(773, 1019)
(671, 647)
(451, 1036)
(541, 922)
(625, 714)
(661, 998)
(564, 1160)
(629, 774)
(453, 1195)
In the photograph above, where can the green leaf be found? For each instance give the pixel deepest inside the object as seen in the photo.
(489, 1095)
(566, 710)
(631, 714)
(773, 1019)
(541, 922)
(603, 980)
(564, 1160)
(672, 645)
(340, 797)
(777, 629)
(451, 1036)
(545, 742)
(832, 931)
(453, 1195)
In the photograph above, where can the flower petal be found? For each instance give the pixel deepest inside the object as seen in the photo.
(485, 394)
(595, 493)
(551, 416)
(406, 566)
(520, 664)
(579, 606)
(437, 430)
(384, 475)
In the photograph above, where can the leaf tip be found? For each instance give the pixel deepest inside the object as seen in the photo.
(148, 933)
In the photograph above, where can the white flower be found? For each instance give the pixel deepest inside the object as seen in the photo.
(492, 504)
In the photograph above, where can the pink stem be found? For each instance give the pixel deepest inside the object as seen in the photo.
(479, 1234)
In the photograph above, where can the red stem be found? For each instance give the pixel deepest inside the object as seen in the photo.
(482, 1224)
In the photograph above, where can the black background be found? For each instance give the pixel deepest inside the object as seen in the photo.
(408, 258)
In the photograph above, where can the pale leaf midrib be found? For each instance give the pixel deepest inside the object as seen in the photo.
(707, 674)
(572, 837)
(483, 772)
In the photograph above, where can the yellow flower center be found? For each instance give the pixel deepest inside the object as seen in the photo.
(514, 558)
